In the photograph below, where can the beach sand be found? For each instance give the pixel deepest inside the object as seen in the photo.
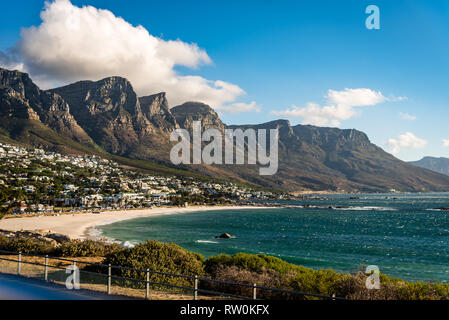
(79, 226)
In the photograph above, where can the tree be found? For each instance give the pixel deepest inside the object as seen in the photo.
(6, 210)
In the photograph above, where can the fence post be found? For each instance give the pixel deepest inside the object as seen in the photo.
(109, 278)
(74, 272)
(46, 268)
(254, 291)
(147, 285)
(195, 291)
(19, 263)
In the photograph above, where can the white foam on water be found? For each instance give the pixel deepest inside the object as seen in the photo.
(128, 244)
(95, 233)
(206, 241)
(368, 208)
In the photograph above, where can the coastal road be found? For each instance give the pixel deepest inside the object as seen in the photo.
(20, 288)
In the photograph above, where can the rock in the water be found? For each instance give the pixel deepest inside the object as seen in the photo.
(224, 236)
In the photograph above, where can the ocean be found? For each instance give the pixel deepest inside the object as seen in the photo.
(404, 235)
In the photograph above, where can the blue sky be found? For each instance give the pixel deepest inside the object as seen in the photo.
(285, 53)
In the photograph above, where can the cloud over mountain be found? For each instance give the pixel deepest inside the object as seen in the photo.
(340, 105)
(74, 43)
(406, 141)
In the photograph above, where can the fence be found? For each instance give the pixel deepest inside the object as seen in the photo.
(107, 282)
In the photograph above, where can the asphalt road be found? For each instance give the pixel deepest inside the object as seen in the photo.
(20, 288)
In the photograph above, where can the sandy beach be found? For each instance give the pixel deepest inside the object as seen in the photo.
(78, 226)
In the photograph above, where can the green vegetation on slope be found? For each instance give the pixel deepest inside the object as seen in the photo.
(74, 248)
(156, 256)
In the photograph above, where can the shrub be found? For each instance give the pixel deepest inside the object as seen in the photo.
(267, 278)
(253, 262)
(273, 272)
(86, 248)
(74, 248)
(353, 287)
(25, 245)
(160, 257)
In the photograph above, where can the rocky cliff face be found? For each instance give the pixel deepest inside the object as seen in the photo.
(189, 112)
(120, 122)
(157, 111)
(109, 111)
(21, 98)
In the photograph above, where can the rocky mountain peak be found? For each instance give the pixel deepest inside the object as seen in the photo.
(21, 98)
(154, 104)
(19, 82)
(332, 138)
(193, 108)
(157, 111)
(188, 112)
(108, 110)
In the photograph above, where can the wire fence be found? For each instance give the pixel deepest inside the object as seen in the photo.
(106, 278)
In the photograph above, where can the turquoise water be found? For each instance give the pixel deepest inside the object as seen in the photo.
(404, 237)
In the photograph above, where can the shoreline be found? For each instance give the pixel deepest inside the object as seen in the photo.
(81, 226)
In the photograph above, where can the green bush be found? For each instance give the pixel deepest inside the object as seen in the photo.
(273, 272)
(86, 248)
(74, 248)
(160, 257)
(25, 245)
(252, 262)
(268, 278)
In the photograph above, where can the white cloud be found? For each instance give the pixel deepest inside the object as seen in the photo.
(243, 107)
(446, 143)
(406, 116)
(355, 97)
(8, 61)
(340, 106)
(394, 99)
(74, 43)
(406, 141)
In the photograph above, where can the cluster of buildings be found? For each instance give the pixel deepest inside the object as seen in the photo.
(39, 181)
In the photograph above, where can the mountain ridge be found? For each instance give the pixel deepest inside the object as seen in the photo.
(437, 164)
(108, 116)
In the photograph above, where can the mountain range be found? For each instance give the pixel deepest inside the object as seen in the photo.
(107, 117)
(440, 165)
